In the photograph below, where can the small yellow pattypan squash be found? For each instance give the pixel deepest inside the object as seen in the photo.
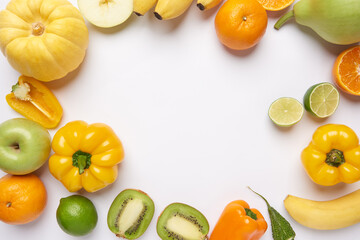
(43, 39)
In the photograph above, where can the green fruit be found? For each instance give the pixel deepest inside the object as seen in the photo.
(336, 21)
(321, 100)
(76, 215)
(24, 146)
(130, 214)
(286, 111)
(179, 221)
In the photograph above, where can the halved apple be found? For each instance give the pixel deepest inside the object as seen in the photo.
(106, 13)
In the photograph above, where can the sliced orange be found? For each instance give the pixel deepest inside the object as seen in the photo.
(346, 70)
(275, 5)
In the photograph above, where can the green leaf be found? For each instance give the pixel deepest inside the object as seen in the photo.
(281, 228)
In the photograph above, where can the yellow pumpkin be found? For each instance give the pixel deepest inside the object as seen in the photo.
(43, 39)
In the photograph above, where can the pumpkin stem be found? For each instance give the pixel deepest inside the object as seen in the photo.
(104, 2)
(38, 29)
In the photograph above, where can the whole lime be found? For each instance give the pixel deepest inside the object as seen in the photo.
(76, 215)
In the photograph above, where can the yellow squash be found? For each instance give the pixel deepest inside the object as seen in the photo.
(86, 156)
(43, 39)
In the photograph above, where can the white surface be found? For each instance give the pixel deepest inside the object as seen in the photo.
(192, 116)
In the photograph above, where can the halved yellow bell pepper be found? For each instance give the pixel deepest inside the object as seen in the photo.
(333, 155)
(86, 156)
(35, 101)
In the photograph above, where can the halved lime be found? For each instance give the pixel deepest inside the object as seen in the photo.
(286, 111)
(321, 100)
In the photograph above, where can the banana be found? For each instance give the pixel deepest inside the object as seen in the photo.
(207, 4)
(143, 6)
(325, 215)
(168, 9)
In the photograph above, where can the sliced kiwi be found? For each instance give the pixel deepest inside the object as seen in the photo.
(179, 221)
(130, 214)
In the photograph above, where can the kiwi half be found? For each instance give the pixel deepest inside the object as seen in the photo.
(179, 221)
(130, 214)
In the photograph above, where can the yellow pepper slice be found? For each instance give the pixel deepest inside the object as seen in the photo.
(86, 156)
(35, 101)
(333, 155)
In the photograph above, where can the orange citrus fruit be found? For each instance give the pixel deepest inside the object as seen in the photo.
(240, 24)
(275, 5)
(22, 198)
(346, 70)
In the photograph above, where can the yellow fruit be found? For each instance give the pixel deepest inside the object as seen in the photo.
(325, 215)
(169, 9)
(43, 39)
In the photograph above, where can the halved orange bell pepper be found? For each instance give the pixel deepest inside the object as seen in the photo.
(86, 156)
(239, 222)
(35, 101)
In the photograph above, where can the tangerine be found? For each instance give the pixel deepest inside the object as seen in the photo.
(240, 24)
(22, 198)
(346, 71)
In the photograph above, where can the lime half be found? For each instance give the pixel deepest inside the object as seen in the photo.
(286, 111)
(321, 100)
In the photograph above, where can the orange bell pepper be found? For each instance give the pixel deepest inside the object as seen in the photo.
(239, 222)
(35, 101)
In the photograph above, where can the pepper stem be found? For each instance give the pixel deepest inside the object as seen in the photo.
(250, 213)
(335, 158)
(81, 160)
(22, 90)
(284, 19)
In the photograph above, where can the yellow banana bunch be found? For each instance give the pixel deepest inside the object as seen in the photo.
(325, 215)
(168, 9)
(207, 4)
(143, 6)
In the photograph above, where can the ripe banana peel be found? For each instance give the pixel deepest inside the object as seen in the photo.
(168, 9)
(143, 6)
(207, 4)
(325, 215)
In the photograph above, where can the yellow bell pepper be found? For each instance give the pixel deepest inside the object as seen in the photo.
(35, 101)
(86, 156)
(333, 155)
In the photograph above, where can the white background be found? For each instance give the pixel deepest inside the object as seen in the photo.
(192, 116)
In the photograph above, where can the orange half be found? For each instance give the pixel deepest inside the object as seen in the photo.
(346, 70)
(275, 5)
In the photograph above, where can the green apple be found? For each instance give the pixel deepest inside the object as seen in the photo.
(24, 146)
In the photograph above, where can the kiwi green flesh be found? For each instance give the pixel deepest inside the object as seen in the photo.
(130, 214)
(182, 222)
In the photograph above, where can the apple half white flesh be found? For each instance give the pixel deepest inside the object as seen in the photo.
(106, 13)
(24, 146)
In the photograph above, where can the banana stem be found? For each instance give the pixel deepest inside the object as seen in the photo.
(284, 19)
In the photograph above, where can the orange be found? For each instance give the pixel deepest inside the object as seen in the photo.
(22, 198)
(346, 70)
(240, 24)
(275, 5)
